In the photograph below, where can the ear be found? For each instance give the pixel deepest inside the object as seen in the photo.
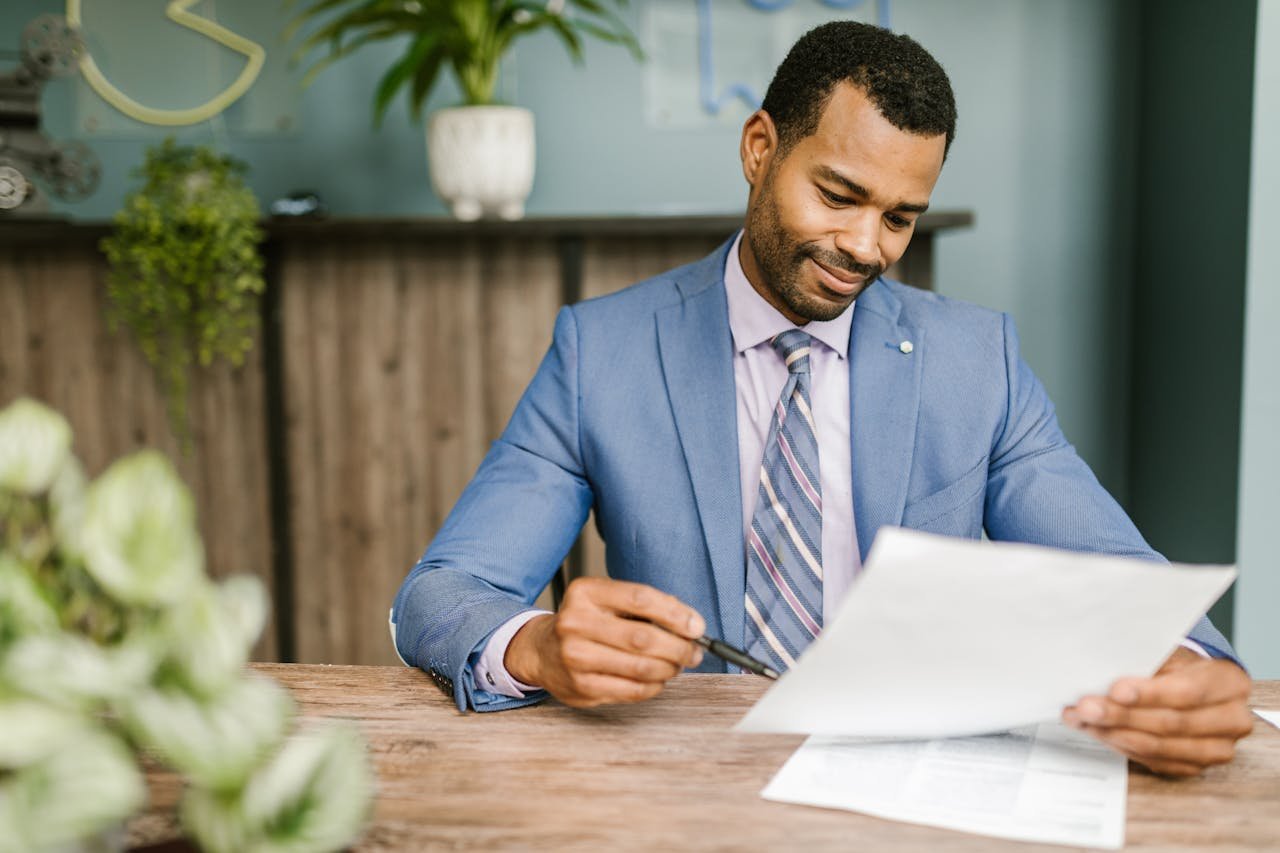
(758, 147)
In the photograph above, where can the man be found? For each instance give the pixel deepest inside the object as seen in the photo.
(744, 425)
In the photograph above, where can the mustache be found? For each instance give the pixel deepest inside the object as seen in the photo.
(841, 261)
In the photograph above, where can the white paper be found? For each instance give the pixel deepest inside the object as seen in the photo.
(1272, 717)
(1043, 783)
(941, 637)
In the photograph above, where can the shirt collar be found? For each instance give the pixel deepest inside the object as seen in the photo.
(752, 320)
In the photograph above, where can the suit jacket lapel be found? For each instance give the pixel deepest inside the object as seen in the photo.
(697, 363)
(884, 398)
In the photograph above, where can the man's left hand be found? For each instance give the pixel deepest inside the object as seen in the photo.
(1181, 720)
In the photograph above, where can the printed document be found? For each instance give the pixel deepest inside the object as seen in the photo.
(942, 637)
(1272, 717)
(1043, 783)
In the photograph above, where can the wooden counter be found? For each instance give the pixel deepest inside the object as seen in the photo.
(391, 355)
(670, 775)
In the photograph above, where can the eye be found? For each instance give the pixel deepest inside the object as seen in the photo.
(834, 198)
(896, 222)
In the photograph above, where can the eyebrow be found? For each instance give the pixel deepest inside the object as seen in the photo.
(858, 189)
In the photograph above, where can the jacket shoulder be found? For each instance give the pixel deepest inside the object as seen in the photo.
(653, 294)
(946, 319)
(924, 304)
(649, 295)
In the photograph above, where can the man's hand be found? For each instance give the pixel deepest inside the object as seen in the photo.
(601, 647)
(1183, 719)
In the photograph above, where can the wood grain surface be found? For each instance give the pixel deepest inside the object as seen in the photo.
(55, 346)
(609, 265)
(403, 363)
(402, 348)
(669, 774)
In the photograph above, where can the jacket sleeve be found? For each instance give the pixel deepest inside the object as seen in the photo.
(1039, 490)
(505, 537)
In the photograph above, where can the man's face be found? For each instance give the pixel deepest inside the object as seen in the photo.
(832, 213)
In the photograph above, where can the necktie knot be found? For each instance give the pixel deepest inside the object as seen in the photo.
(794, 345)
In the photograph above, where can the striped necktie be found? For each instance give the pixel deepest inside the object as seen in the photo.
(784, 545)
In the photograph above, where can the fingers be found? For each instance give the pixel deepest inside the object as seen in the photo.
(1226, 719)
(585, 656)
(593, 689)
(614, 641)
(1172, 756)
(642, 602)
(1191, 685)
(1185, 718)
(596, 674)
(1179, 769)
(593, 623)
(584, 660)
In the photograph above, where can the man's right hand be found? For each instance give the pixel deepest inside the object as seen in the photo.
(611, 641)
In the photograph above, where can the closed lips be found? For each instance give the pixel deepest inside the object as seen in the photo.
(841, 281)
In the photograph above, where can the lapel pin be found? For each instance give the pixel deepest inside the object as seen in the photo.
(906, 347)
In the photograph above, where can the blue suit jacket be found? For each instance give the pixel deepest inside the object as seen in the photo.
(633, 412)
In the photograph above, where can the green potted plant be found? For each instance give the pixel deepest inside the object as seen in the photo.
(115, 646)
(481, 154)
(185, 273)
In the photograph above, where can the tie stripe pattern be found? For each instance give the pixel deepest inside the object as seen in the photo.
(784, 545)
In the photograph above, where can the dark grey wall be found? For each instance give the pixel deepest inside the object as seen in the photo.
(1195, 105)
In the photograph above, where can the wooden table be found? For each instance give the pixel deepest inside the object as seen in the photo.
(670, 775)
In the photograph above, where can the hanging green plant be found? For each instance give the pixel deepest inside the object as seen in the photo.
(185, 271)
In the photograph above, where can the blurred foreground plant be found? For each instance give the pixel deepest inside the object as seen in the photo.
(114, 642)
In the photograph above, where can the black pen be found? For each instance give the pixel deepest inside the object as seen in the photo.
(724, 651)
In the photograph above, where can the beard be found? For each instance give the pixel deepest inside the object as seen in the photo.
(781, 259)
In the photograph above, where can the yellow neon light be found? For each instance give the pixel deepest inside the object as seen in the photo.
(177, 11)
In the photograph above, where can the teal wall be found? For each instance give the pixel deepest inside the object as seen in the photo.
(1188, 301)
(1045, 137)
(1103, 146)
(1258, 602)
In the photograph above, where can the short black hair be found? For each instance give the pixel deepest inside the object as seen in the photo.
(900, 78)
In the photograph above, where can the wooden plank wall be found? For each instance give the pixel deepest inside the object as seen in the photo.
(610, 264)
(55, 346)
(403, 361)
(399, 356)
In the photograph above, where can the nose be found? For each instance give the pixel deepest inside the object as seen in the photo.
(859, 236)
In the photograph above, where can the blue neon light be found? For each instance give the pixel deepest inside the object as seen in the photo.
(712, 101)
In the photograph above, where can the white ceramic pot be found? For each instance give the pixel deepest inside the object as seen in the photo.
(481, 160)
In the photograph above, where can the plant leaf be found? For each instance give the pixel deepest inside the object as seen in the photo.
(347, 49)
(572, 41)
(423, 79)
(401, 71)
(333, 32)
(622, 38)
(313, 12)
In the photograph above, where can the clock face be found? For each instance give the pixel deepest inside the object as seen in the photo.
(13, 188)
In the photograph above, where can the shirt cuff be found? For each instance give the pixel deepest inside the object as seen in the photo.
(391, 623)
(1195, 647)
(490, 671)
